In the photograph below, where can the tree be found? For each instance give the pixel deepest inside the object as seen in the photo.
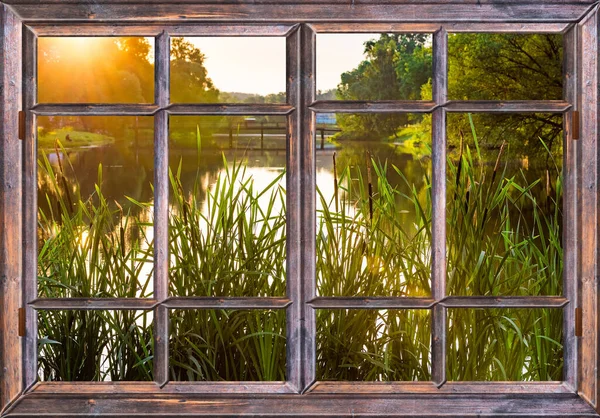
(395, 67)
(189, 78)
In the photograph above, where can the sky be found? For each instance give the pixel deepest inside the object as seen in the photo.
(257, 64)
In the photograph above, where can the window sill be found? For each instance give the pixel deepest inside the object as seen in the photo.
(66, 405)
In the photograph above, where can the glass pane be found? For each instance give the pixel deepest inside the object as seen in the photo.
(227, 221)
(370, 345)
(240, 345)
(505, 344)
(228, 70)
(504, 195)
(95, 70)
(374, 66)
(373, 205)
(485, 66)
(95, 345)
(95, 210)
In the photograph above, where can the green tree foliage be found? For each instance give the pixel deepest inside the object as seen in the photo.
(481, 67)
(395, 68)
(507, 67)
(189, 77)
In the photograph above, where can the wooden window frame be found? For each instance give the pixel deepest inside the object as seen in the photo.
(22, 21)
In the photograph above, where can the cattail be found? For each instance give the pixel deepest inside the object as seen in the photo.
(370, 185)
(496, 166)
(335, 185)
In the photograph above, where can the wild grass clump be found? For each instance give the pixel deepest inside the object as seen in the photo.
(371, 345)
(504, 238)
(504, 232)
(233, 243)
(213, 345)
(90, 248)
(365, 246)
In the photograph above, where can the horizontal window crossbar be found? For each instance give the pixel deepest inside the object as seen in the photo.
(72, 109)
(151, 30)
(448, 302)
(418, 106)
(316, 303)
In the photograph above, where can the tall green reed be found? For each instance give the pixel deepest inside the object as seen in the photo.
(89, 249)
(503, 238)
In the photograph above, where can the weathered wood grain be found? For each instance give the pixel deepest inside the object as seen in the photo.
(84, 304)
(74, 109)
(504, 302)
(180, 29)
(327, 27)
(29, 209)
(313, 405)
(10, 206)
(474, 388)
(229, 109)
(438, 206)
(306, 13)
(226, 303)
(590, 245)
(513, 106)
(381, 106)
(161, 208)
(371, 303)
(570, 203)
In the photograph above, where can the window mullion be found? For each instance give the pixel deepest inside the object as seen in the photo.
(30, 207)
(570, 209)
(161, 209)
(438, 223)
(301, 216)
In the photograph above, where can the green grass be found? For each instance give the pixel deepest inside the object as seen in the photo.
(504, 238)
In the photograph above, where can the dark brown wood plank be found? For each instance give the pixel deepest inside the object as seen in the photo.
(371, 303)
(438, 202)
(513, 106)
(401, 106)
(229, 109)
(83, 304)
(181, 29)
(504, 302)
(311, 405)
(473, 388)
(226, 303)
(300, 13)
(125, 388)
(74, 109)
(29, 242)
(10, 206)
(570, 210)
(326, 27)
(162, 66)
(590, 208)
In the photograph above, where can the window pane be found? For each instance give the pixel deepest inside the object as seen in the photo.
(228, 70)
(95, 345)
(484, 66)
(373, 205)
(227, 221)
(374, 66)
(234, 345)
(95, 70)
(505, 344)
(504, 205)
(370, 345)
(95, 210)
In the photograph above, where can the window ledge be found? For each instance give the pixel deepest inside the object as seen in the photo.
(174, 405)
